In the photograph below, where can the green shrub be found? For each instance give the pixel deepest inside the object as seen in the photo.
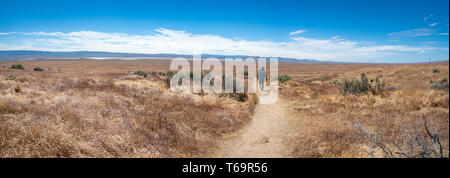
(284, 78)
(436, 71)
(38, 69)
(169, 76)
(17, 66)
(357, 87)
(141, 73)
(440, 85)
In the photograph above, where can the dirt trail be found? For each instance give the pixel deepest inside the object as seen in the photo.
(263, 137)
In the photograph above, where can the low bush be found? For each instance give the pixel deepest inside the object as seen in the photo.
(17, 66)
(440, 85)
(141, 73)
(284, 78)
(169, 76)
(357, 87)
(38, 69)
(436, 71)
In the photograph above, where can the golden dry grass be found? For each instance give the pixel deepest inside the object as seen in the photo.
(327, 122)
(98, 108)
(93, 108)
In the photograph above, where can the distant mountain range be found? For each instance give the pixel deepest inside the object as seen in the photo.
(30, 55)
(36, 55)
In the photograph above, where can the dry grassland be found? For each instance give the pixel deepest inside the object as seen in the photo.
(329, 124)
(99, 108)
(94, 108)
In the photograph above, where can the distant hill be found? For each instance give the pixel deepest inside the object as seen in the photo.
(27, 54)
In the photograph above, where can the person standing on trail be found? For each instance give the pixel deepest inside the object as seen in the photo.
(261, 77)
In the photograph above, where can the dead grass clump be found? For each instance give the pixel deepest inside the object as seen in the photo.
(411, 142)
(17, 89)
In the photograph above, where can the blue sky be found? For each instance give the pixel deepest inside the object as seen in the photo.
(356, 30)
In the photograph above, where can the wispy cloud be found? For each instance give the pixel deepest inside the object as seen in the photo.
(427, 17)
(413, 32)
(297, 32)
(182, 42)
(433, 24)
(444, 34)
(4, 33)
(430, 42)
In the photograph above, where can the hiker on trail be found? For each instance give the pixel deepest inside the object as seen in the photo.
(261, 77)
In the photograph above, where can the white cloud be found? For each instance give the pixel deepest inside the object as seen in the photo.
(417, 32)
(4, 33)
(297, 32)
(433, 24)
(413, 32)
(182, 42)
